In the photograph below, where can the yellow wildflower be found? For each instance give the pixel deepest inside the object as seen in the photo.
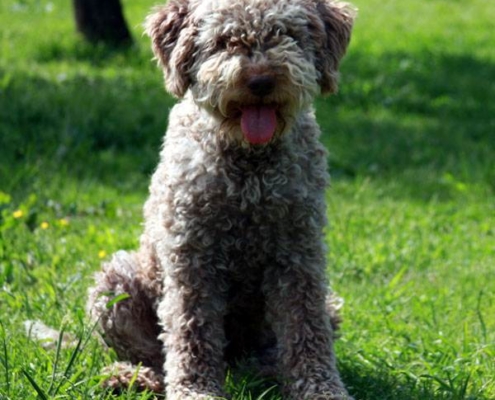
(102, 254)
(63, 222)
(44, 225)
(18, 214)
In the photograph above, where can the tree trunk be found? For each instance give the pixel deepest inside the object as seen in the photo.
(102, 21)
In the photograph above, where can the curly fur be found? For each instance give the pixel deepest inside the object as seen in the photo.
(232, 261)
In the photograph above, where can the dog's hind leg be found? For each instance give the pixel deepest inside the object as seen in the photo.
(123, 304)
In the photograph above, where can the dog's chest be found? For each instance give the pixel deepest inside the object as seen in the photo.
(260, 195)
(239, 207)
(265, 188)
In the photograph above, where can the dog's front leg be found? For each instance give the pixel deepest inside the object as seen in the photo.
(295, 292)
(192, 313)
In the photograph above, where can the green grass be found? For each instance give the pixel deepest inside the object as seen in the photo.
(412, 237)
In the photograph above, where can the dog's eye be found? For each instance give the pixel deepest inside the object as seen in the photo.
(291, 35)
(233, 44)
(227, 43)
(277, 35)
(273, 34)
(297, 37)
(221, 43)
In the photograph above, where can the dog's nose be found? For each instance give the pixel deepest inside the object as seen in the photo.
(261, 85)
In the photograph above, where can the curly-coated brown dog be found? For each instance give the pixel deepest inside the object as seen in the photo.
(232, 258)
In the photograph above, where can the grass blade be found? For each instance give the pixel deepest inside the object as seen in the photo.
(117, 299)
(36, 387)
(57, 358)
(480, 316)
(71, 362)
(5, 358)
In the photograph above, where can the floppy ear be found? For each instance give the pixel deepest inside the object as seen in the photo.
(337, 19)
(172, 35)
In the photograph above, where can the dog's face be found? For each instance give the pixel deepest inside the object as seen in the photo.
(254, 64)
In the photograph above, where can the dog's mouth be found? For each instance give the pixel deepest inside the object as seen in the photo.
(258, 123)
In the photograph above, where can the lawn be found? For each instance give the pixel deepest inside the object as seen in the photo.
(411, 136)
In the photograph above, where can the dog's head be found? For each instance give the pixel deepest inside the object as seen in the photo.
(254, 64)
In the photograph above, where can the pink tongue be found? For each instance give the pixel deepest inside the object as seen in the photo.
(258, 123)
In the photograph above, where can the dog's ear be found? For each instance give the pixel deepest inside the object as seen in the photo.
(172, 35)
(337, 19)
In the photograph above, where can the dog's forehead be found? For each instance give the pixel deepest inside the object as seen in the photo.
(249, 14)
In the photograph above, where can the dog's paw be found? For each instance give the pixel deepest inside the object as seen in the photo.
(318, 391)
(186, 393)
(123, 376)
(328, 396)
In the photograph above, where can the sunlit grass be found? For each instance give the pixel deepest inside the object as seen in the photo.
(411, 210)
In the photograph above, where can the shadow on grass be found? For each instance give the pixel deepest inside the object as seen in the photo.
(98, 55)
(84, 126)
(414, 120)
(367, 383)
(363, 383)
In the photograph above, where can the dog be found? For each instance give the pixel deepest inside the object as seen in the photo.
(231, 264)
